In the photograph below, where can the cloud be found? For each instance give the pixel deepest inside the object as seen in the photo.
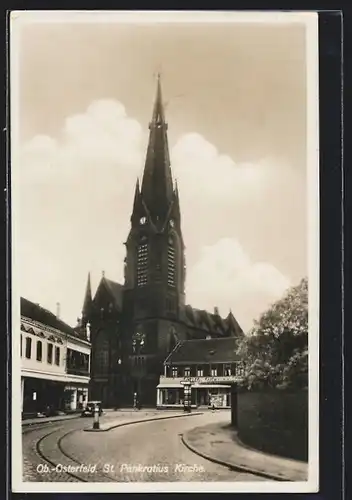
(200, 167)
(226, 277)
(76, 194)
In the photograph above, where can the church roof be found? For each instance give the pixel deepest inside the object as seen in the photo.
(204, 351)
(113, 289)
(212, 322)
(35, 312)
(116, 291)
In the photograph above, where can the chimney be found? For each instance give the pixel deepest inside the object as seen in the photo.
(58, 310)
(216, 310)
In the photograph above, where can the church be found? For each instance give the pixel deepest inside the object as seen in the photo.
(134, 326)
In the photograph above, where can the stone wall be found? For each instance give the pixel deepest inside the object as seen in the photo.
(274, 421)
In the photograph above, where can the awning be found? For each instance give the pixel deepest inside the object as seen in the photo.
(169, 386)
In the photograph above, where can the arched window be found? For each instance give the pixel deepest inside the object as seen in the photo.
(142, 264)
(39, 350)
(171, 263)
(102, 356)
(49, 357)
(28, 347)
(57, 355)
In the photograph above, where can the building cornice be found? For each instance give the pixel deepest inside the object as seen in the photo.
(59, 377)
(49, 329)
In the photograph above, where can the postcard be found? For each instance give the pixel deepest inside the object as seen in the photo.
(165, 251)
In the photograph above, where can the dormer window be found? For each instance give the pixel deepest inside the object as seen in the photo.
(143, 220)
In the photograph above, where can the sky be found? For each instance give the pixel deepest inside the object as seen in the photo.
(235, 98)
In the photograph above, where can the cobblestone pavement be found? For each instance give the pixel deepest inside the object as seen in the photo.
(120, 455)
(42, 439)
(150, 451)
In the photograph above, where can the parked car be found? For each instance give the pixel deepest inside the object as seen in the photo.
(88, 410)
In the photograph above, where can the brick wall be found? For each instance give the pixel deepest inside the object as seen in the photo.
(275, 422)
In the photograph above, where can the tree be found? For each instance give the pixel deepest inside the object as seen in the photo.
(275, 351)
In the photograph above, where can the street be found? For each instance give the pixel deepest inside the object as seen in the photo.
(148, 451)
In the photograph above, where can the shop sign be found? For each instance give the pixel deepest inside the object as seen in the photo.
(210, 380)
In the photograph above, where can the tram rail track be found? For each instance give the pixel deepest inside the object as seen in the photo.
(59, 466)
(51, 462)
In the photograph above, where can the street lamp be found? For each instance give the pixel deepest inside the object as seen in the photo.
(138, 343)
(118, 384)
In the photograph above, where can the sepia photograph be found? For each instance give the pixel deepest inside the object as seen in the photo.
(165, 251)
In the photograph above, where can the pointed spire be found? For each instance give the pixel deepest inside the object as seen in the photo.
(157, 188)
(136, 200)
(158, 112)
(87, 305)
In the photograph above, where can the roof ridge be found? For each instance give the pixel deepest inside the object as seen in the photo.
(47, 311)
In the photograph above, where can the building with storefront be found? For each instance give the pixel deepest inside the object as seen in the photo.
(55, 362)
(209, 365)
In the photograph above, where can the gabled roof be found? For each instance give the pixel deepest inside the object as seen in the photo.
(115, 290)
(204, 351)
(37, 313)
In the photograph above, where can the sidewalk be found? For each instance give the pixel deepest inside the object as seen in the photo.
(220, 444)
(46, 420)
(135, 417)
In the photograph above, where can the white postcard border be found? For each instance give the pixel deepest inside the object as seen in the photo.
(310, 20)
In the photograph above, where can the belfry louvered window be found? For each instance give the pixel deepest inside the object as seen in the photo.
(142, 264)
(171, 264)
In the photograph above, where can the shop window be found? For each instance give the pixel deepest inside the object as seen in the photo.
(28, 347)
(214, 371)
(174, 371)
(199, 371)
(57, 356)
(50, 354)
(187, 372)
(39, 350)
(227, 370)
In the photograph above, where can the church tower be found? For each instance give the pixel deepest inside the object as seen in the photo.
(154, 288)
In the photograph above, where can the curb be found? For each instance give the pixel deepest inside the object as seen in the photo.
(234, 467)
(41, 422)
(130, 422)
